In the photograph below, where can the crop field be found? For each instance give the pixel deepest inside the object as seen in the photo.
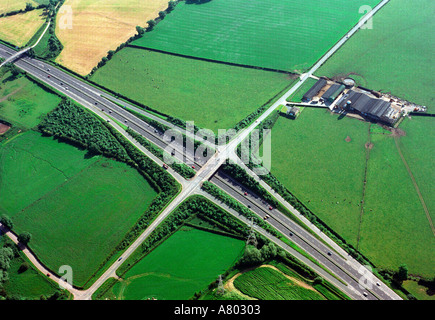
(24, 103)
(78, 208)
(185, 263)
(100, 26)
(239, 31)
(214, 95)
(266, 283)
(13, 5)
(20, 28)
(395, 56)
(321, 159)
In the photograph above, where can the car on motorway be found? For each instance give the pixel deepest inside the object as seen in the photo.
(246, 193)
(291, 234)
(329, 253)
(270, 208)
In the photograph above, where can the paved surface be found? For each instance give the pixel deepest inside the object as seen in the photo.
(94, 99)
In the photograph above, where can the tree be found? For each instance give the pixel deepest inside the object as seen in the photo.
(402, 274)
(29, 6)
(151, 24)
(162, 14)
(6, 254)
(251, 257)
(171, 5)
(24, 238)
(140, 30)
(6, 221)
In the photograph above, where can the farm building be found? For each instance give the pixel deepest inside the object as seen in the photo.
(293, 111)
(314, 90)
(368, 107)
(333, 92)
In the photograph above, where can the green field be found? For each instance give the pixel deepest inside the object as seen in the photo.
(418, 147)
(30, 284)
(187, 262)
(395, 229)
(312, 158)
(24, 103)
(395, 56)
(284, 35)
(215, 96)
(77, 208)
(265, 283)
(25, 283)
(31, 166)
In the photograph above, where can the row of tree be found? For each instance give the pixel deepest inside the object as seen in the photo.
(29, 7)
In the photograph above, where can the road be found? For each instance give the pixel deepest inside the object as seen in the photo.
(95, 100)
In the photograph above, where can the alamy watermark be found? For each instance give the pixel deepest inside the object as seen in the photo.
(66, 281)
(190, 147)
(367, 278)
(65, 17)
(368, 25)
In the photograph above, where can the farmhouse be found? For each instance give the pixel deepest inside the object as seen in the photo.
(314, 90)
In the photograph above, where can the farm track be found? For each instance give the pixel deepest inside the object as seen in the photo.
(207, 170)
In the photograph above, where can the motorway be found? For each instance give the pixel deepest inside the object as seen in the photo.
(91, 96)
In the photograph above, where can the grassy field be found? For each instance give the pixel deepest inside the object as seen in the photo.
(395, 229)
(23, 103)
(315, 160)
(312, 158)
(100, 26)
(418, 147)
(268, 283)
(28, 156)
(77, 208)
(215, 96)
(395, 56)
(185, 263)
(28, 284)
(284, 35)
(418, 291)
(20, 28)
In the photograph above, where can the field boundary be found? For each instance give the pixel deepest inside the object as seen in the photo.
(210, 60)
(366, 166)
